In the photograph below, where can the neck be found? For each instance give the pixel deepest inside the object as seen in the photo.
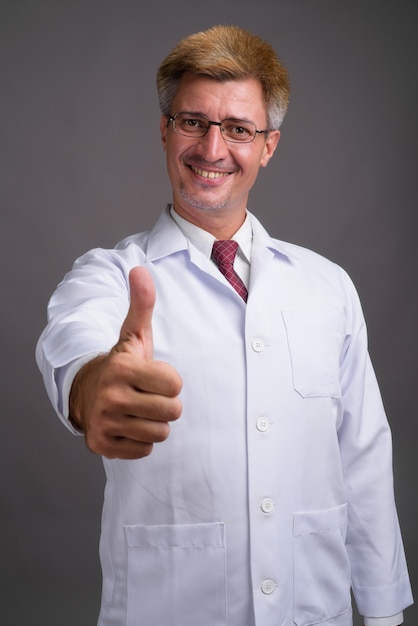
(217, 223)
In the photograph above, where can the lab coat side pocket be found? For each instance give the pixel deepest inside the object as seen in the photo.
(322, 578)
(176, 575)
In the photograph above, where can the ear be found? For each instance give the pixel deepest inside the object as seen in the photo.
(163, 130)
(270, 146)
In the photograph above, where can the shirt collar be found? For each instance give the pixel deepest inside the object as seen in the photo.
(203, 241)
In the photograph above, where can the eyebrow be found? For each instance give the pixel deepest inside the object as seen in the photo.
(229, 117)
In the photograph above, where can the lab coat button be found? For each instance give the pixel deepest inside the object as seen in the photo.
(268, 586)
(263, 424)
(257, 344)
(267, 505)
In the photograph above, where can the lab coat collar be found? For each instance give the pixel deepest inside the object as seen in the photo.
(166, 238)
(261, 239)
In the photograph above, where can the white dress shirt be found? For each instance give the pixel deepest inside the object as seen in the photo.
(273, 494)
(203, 241)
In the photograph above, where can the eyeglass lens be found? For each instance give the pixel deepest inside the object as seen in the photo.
(236, 130)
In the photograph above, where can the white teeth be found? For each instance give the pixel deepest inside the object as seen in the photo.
(206, 174)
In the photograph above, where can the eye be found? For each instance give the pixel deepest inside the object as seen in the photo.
(238, 130)
(192, 123)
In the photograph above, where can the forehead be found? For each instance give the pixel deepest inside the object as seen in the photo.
(234, 98)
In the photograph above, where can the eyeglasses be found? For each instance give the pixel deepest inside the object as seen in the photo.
(197, 125)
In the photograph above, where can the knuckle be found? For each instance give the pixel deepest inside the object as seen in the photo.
(176, 408)
(146, 449)
(177, 384)
(98, 445)
(162, 432)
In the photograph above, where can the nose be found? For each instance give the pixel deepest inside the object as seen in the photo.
(212, 145)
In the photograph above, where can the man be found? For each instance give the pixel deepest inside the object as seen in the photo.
(247, 454)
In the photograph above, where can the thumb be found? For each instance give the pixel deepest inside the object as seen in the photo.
(138, 322)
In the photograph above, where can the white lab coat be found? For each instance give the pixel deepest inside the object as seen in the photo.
(273, 494)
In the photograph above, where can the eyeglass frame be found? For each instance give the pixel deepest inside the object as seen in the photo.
(172, 118)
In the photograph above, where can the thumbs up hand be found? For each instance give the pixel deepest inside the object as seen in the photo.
(124, 401)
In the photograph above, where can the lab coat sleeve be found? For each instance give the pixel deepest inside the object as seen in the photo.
(85, 315)
(379, 573)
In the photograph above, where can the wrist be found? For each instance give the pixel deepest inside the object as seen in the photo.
(81, 388)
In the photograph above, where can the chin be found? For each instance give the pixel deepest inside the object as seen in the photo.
(197, 201)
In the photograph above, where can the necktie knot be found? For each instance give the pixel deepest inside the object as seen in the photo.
(223, 253)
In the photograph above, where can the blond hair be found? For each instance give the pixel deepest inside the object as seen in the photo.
(225, 53)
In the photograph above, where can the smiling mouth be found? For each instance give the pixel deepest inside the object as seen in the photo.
(207, 174)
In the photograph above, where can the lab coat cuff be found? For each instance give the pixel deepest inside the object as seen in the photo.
(64, 377)
(394, 620)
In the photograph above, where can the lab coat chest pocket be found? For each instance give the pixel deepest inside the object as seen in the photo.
(315, 340)
(322, 570)
(176, 575)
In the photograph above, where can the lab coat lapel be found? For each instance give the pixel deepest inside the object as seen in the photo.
(264, 250)
(166, 238)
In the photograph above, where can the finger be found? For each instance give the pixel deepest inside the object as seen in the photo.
(126, 437)
(139, 429)
(156, 377)
(125, 401)
(137, 374)
(138, 322)
(119, 448)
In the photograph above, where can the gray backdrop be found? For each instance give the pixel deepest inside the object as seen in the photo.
(82, 167)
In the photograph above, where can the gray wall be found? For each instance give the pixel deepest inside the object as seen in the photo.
(82, 167)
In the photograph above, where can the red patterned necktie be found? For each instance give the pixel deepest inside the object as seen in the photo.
(223, 253)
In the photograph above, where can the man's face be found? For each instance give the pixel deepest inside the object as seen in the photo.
(210, 175)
